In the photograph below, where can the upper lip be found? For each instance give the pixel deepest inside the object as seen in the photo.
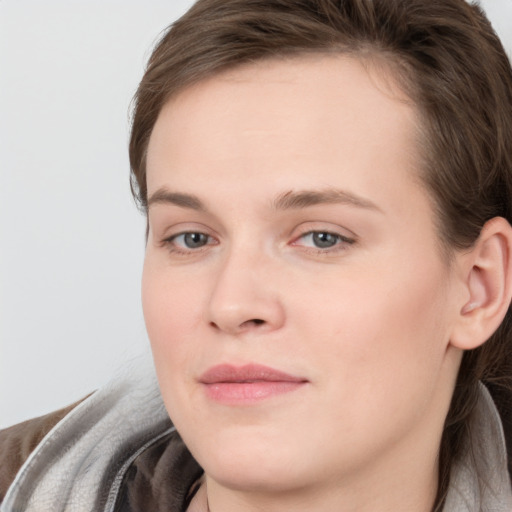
(225, 373)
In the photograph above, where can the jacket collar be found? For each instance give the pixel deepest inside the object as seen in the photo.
(480, 480)
(79, 465)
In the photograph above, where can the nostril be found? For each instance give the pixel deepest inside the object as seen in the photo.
(253, 322)
(247, 323)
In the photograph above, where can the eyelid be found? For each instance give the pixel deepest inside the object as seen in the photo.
(172, 228)
(185, 233)
(168, 240)
(344, 236)
(341, 237)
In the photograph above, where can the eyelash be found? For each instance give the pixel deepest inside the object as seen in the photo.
(340, 243)
(171, 245)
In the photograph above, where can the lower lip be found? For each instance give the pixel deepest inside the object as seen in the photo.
(238, 393)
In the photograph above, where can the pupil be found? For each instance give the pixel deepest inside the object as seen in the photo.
(194, 240)
(324, 240)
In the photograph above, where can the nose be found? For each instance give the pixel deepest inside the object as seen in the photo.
(245, 296)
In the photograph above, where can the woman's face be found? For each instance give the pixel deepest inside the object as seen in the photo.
(295, 294)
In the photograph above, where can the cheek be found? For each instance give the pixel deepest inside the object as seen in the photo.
(171, 313)
(384, 331)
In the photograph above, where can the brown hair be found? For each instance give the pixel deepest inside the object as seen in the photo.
(449, 61)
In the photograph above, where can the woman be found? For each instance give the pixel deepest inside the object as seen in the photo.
(328, 270)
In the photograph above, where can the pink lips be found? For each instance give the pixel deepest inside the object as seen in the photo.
(245, 384)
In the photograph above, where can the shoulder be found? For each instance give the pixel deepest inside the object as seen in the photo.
(18, 442)
(99, 443)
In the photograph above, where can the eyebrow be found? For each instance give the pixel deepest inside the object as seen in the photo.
(290, 200)
(165, 196)
(304, 198)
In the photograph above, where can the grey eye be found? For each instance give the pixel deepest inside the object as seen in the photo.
(324, 240)
(194, 240)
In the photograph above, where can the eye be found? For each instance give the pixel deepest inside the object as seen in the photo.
(323, 240)
(189, 241)
(192, 240)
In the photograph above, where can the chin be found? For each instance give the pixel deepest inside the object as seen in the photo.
(249, 476)
(254, 463)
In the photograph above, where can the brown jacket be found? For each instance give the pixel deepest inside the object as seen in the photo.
(18, 442)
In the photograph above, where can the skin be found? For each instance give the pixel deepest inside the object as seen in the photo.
(366, 322)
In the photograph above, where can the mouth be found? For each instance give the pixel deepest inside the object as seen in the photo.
(237, 385)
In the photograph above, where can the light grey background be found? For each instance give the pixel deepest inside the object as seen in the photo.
(71, 239)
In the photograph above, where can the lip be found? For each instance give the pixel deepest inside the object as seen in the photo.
(237, 385)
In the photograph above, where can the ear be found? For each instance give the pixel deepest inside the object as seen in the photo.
(487, 282)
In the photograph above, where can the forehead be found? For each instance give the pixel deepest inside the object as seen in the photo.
(311, 120)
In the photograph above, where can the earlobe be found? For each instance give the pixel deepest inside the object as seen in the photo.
(488, 283)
